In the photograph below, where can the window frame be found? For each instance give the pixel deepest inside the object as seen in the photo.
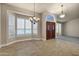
(25, 35)
(9, 34)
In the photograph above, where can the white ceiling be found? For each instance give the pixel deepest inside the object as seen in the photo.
(72, 9)
(41, 7)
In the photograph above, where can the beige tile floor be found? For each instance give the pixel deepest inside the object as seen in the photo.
(41, 48)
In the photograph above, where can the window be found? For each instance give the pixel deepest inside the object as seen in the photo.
(35, 29)
(11, 26)
(28, 26)
(20, 26)
(25, 27)
(58, 28)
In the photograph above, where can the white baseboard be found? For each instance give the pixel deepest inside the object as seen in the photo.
(3, 45)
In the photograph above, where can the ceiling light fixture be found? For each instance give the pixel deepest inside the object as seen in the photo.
(62, 15)
(34, 19)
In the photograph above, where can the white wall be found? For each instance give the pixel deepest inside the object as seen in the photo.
(71, 28)
(43, 26)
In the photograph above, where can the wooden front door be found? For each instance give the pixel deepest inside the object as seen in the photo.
(50, 30)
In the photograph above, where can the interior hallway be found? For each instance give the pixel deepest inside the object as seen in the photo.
(41, 48)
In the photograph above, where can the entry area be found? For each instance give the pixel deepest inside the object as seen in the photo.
(53, 30)
(50, 30)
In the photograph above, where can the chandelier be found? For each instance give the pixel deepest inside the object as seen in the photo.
(62, 15)
(34, 19)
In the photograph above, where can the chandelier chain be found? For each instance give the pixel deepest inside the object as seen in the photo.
(34, 8)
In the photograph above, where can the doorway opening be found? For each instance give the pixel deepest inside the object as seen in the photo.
(58, 29)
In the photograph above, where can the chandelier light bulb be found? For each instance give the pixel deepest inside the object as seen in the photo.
(62, 15)
(38, 19)
(34, 18)
(30, 18)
